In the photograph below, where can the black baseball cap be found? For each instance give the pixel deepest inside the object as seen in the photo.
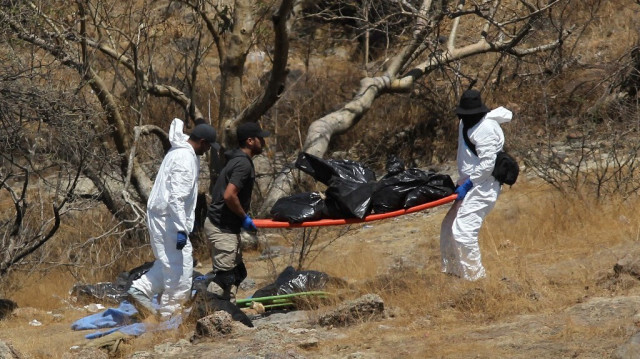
(250, 129)
(204, 131)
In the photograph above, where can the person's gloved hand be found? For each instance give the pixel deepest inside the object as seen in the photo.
(182, 240)
(463, 189)
(247, 224)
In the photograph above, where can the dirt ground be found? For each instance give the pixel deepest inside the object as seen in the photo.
(546, 296)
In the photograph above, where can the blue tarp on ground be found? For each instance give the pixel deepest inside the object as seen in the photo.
(121, 319)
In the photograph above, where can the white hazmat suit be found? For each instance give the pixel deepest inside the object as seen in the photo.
(171, 209)
(459, 233)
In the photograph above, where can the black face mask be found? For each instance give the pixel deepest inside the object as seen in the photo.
(469, 121)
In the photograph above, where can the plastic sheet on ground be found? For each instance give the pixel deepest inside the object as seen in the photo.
(121, 319)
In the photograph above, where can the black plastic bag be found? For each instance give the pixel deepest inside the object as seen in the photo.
(410, 188)
(298, 208)
(291, 281)
(123, 280)
(438, 186)
(394, 166)
(325, 170)
(350, 199)
(103, 291)
(113, 292)
(350, 185)
(392, 191)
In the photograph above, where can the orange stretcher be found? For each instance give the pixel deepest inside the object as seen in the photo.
(269, 223)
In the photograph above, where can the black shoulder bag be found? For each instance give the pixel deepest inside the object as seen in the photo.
(506, 169)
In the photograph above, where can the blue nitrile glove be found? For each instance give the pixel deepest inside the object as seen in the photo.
(463, 189)
(247, 224)
(182, 240)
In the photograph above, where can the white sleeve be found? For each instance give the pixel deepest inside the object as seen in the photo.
(489, 140)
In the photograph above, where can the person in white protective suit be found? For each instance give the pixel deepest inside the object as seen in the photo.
(170, 218)
(477, 189)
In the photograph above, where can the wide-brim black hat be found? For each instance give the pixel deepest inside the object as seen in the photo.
(471, 103)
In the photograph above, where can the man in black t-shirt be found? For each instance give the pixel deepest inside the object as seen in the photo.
(227, 213)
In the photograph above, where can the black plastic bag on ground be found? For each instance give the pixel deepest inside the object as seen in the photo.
(438, 186)
(298, 208)
(112, 292)
(291, 281)
(124, 279)
(103, 292)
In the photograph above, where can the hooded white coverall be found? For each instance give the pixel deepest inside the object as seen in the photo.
(170, 209)
(459, 232)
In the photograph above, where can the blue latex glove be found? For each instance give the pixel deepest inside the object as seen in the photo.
(182, 240)
(463, 189)
(247, 224)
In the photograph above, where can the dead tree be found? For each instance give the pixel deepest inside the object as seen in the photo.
(495, 31)
(47, 142)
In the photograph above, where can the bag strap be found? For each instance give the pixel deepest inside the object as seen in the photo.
(471, 146)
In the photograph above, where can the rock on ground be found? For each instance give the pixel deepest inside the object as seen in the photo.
(216, 324)
(366, 308)
(7, 351)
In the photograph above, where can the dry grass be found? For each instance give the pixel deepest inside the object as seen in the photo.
(537, 246)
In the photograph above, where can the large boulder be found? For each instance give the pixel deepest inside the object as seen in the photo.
(216, 324)
(628, 264)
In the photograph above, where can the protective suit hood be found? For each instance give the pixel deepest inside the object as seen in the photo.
(177, 137)
(500, 115)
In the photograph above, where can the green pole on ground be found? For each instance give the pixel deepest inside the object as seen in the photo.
(279, 305)
(247, 301)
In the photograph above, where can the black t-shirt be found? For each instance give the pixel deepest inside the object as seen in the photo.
(239, 171)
